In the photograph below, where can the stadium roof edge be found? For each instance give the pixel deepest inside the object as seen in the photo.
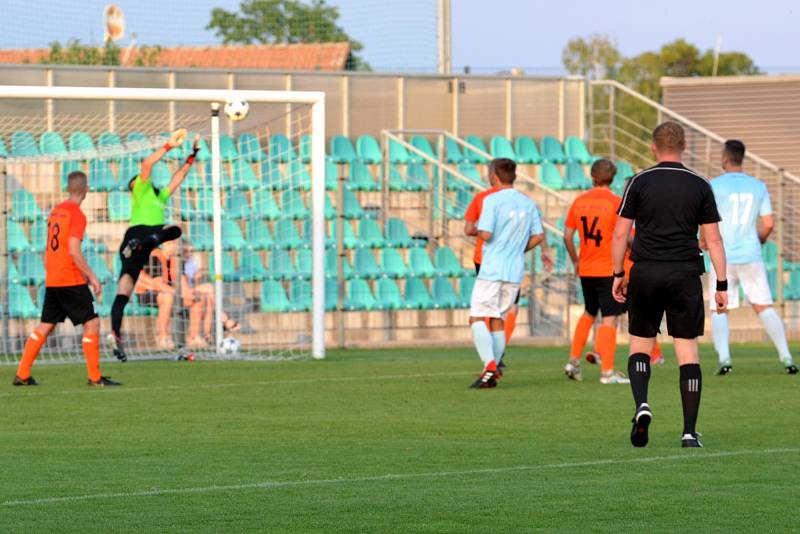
(667, 81)
(340, 73)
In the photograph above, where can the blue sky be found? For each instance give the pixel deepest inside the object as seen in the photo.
(401, 34)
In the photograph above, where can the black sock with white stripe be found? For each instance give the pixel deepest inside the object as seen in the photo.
(639, 374)
(691, 386)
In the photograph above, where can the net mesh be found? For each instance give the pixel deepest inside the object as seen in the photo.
(266, 239)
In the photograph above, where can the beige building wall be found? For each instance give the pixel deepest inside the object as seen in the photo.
(762, 111)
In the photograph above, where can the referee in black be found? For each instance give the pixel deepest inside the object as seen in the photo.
(668, 203)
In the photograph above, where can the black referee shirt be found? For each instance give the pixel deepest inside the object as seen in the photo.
(668, 203)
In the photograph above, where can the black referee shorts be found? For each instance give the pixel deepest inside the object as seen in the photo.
(134, 265)
(75, 302)
(671, 287)
(478, 271)
(597, 296)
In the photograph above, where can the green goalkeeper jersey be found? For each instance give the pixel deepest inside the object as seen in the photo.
(148, 204)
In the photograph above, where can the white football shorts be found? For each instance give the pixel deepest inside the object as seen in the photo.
(492, 298)
(754, 282)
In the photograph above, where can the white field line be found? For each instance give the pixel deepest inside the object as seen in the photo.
(267, 485)
(40, 391)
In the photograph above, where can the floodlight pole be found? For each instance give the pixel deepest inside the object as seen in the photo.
(216, 172)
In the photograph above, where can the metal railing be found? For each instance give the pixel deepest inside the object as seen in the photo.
(620, 124)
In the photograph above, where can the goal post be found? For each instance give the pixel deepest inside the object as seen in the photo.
(302, 113)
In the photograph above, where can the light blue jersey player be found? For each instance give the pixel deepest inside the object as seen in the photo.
(509, 226)
(743, 202)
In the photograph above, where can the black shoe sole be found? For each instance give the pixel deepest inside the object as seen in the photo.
(691, 444)
(639, 434)
(722, 371)
(121, 356)
(480, 383)
(791, 370)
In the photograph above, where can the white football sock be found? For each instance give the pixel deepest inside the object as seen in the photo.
(774, 327)
(498, 345)
(721, 333)
(483, 341)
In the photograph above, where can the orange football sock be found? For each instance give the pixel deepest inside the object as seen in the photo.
(91, 352)
(607, 347)
(582, 330)
(511, 323)
(29, 354)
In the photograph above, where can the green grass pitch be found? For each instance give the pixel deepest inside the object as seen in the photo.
(394, 441)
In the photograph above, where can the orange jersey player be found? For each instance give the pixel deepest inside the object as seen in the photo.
(66, 289)
(593, 216)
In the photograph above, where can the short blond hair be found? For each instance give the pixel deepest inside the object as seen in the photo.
(669, 137)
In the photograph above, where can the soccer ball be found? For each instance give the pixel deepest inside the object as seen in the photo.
(230, 346)
(236, 109)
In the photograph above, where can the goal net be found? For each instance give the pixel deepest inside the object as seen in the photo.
(245, 265)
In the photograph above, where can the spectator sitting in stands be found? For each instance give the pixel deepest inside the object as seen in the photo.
(156, 280)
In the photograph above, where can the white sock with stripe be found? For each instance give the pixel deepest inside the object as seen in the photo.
(774, 328)
(721, 333)
(483, 341)
(498, 345)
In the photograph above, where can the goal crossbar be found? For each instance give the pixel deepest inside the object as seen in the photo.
(216, 98)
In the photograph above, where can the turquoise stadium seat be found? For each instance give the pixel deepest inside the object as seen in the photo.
(342, 150)
(271, 175)
(420, 263)
(110, 145)
(52, 144)
(100, 176)
(232, 238)
(305, 263)
(281, 148)
(24, 207)
(550, 177)
(473, 156)
(287, 236)
(67, 166)
(418, 179)
(527, 152)
(552, 150)
(389, 295)
(99, 266)
(128, 168)
(137, 145)
(230, 273)
(193, 181)
(297, 175)
(446, 262)
(3, 150)
(468, 170)
(575, 178)
(17, 240)
(348, 238)
(624, 172)
(281, 266)
(361, 178)
(300, 295)
(352, 208)
(93, 245)
(160, 175)
(201, 235)
(31, 268)
(455, 210)
(392, 264)
(251, 268)
(501, 148)
(358, 296)
(82, 142)
(20, 303)
(293, 206)
(227, 148)
(423, 145)
(576, 150)
(330, 211)
(304, 148)
(417, 295)
(250, 149)
(237, 206)
(452, 151)
(368, 149)
(398, 153)
(397, 235)
(39, 235)
(243, 175)
(265, 206)
(259, 236)
(119, 206)
(23, 145)
(273, 298)
(365, 265)
(201, 208)
(444, 296)
(203, 154)
(465, 291)
(331, 175)
(370, 234)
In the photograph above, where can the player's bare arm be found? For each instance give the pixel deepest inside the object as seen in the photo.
(470, 229)
(766, 227)
(569, 243)
(181, 173)
(716, 251)
(534, 241)
(485, 236)
(176, 139)
(80, 262)
(619, 245)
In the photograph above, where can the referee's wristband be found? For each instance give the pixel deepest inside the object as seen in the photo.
(722, 285)
(620, 274)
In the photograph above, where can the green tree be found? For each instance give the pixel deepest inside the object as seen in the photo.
(76, 53)
(595, 57)
(284, 21)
